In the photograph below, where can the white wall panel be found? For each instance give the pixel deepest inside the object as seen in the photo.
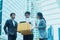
(13, 6)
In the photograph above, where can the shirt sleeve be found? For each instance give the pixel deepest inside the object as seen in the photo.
(33, 24)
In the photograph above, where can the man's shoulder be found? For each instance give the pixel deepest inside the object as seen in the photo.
(8, 19)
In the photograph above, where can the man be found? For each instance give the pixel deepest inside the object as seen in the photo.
(31, 21)
(11, 24)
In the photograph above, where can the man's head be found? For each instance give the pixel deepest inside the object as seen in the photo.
(27, 14)
(12, 15)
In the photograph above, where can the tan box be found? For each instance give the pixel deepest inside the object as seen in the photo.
(24, 28)
(26, 32)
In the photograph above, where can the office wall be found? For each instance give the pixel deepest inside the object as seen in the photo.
(51, 12)
(49, 8)
(13, 6)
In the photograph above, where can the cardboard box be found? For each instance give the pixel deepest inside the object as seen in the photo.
(26, 32)
(24, 28)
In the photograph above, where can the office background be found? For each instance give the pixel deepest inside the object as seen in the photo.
(49, 8)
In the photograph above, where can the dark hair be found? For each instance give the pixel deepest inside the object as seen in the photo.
(12, 14)
(27, 13)
(41, 15)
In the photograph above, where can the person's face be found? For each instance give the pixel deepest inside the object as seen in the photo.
(13, 16)
(27, 15)
(37, 17)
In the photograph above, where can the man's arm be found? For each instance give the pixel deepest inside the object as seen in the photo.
(6, 25)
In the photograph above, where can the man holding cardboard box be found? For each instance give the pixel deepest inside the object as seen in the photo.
(29, 20)
(26, 26)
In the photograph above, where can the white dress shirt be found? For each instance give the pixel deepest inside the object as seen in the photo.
(13, 21)
(32, 21)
